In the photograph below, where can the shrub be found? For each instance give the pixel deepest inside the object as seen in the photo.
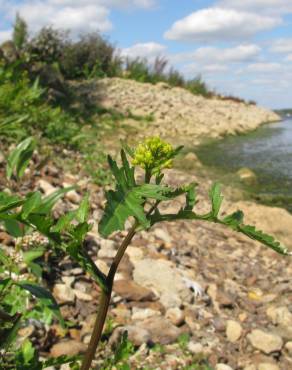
(198, 87)
(47, 46)
(25, 105)
(137, 69)
(91, 56)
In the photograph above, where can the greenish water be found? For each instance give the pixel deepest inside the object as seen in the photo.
(267, 151)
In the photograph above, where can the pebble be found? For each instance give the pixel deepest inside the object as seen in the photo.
(268, 366)
(195, 347)
(233, 331)
(175, 315)
(63, 293)
(69, 348)
(265, 342)
(223, 367)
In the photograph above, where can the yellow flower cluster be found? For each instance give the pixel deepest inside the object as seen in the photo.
(153, 153)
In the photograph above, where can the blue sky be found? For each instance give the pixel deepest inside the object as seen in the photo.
(240, 47)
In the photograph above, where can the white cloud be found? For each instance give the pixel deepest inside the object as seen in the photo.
(264, 67)
(5, 35)
(78, 16)
(108, 3)
(264, 6)
(238, 53)
(289, 58)
(195, 69)
(213, 24)
(148, 50)
(282, 46)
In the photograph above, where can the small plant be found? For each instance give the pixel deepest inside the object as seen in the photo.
(131, 199)
(20, 32)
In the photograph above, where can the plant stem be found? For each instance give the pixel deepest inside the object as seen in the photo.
(106, 295)
(105, 301)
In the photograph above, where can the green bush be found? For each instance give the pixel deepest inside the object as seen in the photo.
(198, 87)
(47, 46)
(25, 105)
(91, 56)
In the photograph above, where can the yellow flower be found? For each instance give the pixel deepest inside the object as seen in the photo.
(153, 153)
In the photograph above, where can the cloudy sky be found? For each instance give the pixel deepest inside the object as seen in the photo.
(240, 47)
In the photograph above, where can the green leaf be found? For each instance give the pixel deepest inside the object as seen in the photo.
(9, 335)
(33, 254)
(9, 202)
(64, 222)
(19, 158)
(234, 219)
(128, 199)
(44, 296)
(28, 352)
(49, 201)
(265, 239)
(83, 211)
(32, 202)
(13, 227)
(129, 171)
(216, 199)
(190, 197)
(60, 361)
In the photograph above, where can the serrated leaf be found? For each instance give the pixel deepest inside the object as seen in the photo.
(264, 238)
(216, 199)
(234, 219)
(121, 205)
(129, 171)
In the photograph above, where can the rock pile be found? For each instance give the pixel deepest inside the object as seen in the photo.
(177, 114)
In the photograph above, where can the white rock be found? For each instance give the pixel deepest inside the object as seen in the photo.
(265, 342)
(163, 235)
(102, 266)
(233, 331)
(46, 187)
(106, 253)
(280, 315)
(144, 313)
(223, 367)
(63, 293)
(268, 366)
(288, 347)
(82, 296)
(195, 347)
(73, 197)
(163, 277)
(135, 253)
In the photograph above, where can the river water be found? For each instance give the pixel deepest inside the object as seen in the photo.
(267, 151)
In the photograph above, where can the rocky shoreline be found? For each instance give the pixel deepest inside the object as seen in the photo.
(175, 113)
